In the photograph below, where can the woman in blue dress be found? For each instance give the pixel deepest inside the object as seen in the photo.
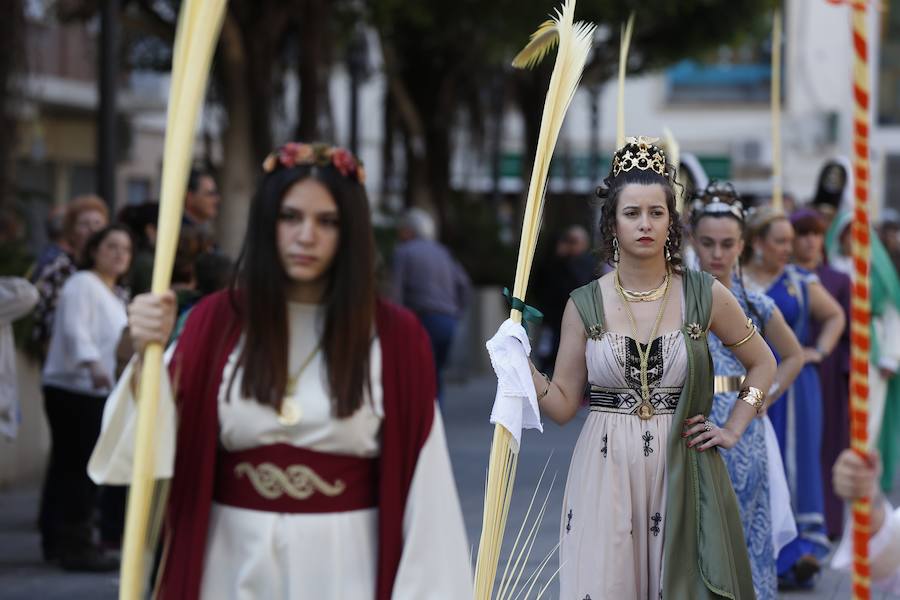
(797, 416)
(717, 229)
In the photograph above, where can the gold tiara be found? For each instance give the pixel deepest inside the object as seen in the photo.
(639, 153)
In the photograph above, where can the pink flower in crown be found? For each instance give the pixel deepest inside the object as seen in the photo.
(344, 162)
(287, 154)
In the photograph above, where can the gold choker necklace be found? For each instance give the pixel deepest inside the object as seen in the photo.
(648, 296)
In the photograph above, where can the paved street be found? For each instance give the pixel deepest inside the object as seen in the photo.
(23, 576)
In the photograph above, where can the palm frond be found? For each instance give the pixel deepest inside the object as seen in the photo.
(623, 67)
(673, 155)
(574, 45)
(541, 42)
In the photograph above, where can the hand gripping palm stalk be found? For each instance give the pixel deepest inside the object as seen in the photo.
(574, 44)
(199, 23)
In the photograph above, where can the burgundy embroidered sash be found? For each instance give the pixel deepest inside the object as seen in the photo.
(288, 479)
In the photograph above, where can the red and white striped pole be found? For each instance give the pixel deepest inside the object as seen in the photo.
(860, 302)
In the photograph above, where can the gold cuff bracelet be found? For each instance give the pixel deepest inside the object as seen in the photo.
(753, 396)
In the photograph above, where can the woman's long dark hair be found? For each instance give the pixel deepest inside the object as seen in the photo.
(609, 194)
(260, 291)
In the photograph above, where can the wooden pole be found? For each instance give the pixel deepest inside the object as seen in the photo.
(777, 169)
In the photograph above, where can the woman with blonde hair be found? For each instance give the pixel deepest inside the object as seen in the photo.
(797, 416)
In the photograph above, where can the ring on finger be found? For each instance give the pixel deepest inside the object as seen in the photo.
(707, 426)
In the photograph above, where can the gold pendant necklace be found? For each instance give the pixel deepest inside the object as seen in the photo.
(648, 296)
(645, 409)
(290, 413)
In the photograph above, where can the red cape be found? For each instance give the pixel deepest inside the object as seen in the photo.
(208, 338)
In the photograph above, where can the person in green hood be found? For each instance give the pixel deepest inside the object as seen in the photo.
(884, 357)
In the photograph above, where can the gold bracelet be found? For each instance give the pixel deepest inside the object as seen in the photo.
(547, 390)
(745, 340)
(754, 397)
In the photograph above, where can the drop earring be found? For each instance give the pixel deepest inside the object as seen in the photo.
(615, 245)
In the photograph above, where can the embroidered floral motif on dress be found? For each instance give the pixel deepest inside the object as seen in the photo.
(656, 519)
(648, 437)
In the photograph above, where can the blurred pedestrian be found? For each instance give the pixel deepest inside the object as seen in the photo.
(141, 219)
(17, 298)
(889, 232)
(430, 282)
(833, 189)
(201, 201)
(78, 375)
(84, 216)
(571, 266)
(212, 272)
(55, 238)
(834, 369)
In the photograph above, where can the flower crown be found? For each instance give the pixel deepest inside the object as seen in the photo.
(719, 198)
(293, 154)
(639, 153)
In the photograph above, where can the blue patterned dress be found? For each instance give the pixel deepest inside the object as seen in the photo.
(746, 462)
(797, 419)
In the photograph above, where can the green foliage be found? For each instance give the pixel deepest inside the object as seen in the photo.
(666, 31)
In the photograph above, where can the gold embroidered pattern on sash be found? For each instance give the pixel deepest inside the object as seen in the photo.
(297, 481)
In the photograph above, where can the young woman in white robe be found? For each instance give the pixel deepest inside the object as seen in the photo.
(309, 462)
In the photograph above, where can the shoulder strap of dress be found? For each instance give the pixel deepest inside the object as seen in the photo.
(589, 302)
(697, 297)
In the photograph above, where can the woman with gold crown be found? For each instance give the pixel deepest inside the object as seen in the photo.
(646, 470)
(308, 461)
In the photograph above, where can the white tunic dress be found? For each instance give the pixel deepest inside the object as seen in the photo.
(259, 554)
(254, 554)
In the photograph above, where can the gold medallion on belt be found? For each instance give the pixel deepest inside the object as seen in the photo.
(645, 411)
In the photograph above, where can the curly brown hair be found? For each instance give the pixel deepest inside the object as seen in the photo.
(609, 193)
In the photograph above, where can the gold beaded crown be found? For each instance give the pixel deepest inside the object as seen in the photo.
(639, 153)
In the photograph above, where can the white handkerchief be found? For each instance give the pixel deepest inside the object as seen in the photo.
(515, 406)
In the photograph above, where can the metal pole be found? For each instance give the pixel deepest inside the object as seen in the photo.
(108, 64)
